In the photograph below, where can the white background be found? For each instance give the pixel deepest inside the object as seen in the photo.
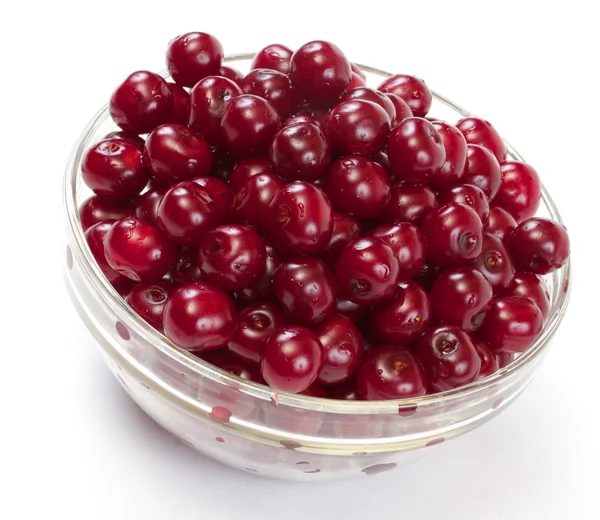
(74, 446)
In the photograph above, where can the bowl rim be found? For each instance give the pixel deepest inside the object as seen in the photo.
(103, 288)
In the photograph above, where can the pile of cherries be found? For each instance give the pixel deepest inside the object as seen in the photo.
(299, 229)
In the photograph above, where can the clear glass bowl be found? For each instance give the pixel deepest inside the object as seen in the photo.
(251, 427)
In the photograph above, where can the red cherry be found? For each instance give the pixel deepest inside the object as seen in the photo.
(479, 131)
(250, 202)
(180, 113)
(412, 90)
(95, 236)
(148, 299)
(98, 209)
(146, 207)
(185, 269)
(468, 195)
(232, 74)
(520, 192)
(455, 146)
(500, 223)
(245, 169)
(410, 203)
(345, 229)
(193, 56)
(274, 57)
(272, 86)
(369, 94)
(482, 170)
(495, 263)
(262, 289)
(489, 362)
(533, 287)
(401, 108)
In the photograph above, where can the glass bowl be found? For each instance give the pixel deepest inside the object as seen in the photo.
(251, 427)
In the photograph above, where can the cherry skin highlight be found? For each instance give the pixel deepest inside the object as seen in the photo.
(410, 203)
(275, 57)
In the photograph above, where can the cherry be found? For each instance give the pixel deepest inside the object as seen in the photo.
(146, 207)
(209, 100)
(273, 86)
(98, 209)
(520, 191)
(141, 103)
(468, 195)
(186, 269)
(415, 150)
(275, 57)
(95, 236)
(489, 362)
(343, 348)
(138, 250)
(148, 299)
(479, 131)
(317, 112)
(249, 204)
(345, 229)
(344, 391)
(180, 112)
(225, 360)
(401, 108)
(231, 256)
(482, 169)
(126, 136)
(390, 372)
(232, 74)
(356, 69)
(369, 94)
(320, 71)
(449, 357)
(174, 153)
(356, 81)
(409, 203)
(412, 90)
(249, 124)
(357, 126)
(292, 359)
(247, 168)
(299, 219)
(511, 324)
(367, 271)
(408, 244)
(256, 324)
(301, 118)
(405, 317)
(300, 152)
(500, 223)
(455, 146)
(305, 289)
(262, 288)
(531, 286)
(495, 263)
(359, 186)
(199, 316)
(350, 310)
(114, 168)
(461, 296)
(220, 194)
(539, 245)
(193, 56)
(186, 212)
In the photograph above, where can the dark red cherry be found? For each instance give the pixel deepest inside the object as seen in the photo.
(357, 127)
(320, 71)
(495, 263)
(146, 207)
(520, 191)
(250, 202)
(369, 94)
(292, 359)
(358, 185)
(186, 212)
(489, 362)
(219, 192)
(479, 131)
(408, 244)
(345, 229)
(409, 203)
(247, 168)
(390, 372)
(231, 256)
(415, 150)
(256, 324)
(141, 103)
(460, 296)
(355, 82)
(469, 195)
(148, 299)
(352, 311)
(343, 348)
(449, 357)
(273, 86)
(180, 112)
(344, 391)
(299, 219)
(455, 147)
(193, 56)
(262, 289)
(401, 108)
(98, 209)
(126, 136)
(95, 236)
(248, 125)
(199, 316)
(412, 90)
(114, 168)
(539, 245)
(185, 269)
(482, 170)
(511, 324)
(367, 271)
(174, 153)
(305, 289)
(231, 73)
(533, 287)
(405, 317)
(138, 250)
(453, 235)
(274, 57)
(500, 223)
(208, 101)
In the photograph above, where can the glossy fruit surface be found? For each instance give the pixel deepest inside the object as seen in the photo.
(479, 131)
(273, 86)
(412, 90)
(193, 56)
(500, 223)
(468, 195)
(455, 146)
(410, 203)
(148, 299)
(520, 191)
(274, 57)
(531, 286)
(97, 209)
(245, 169)
(495, 263)
(185, 269)
(489, 362)
(219, 193)
(94, 237)
(250, 203)
(146, 207)
(482, 169)
(408, 244)
(262, 288)
(180, 113)
(369, 94)
(345, 229)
